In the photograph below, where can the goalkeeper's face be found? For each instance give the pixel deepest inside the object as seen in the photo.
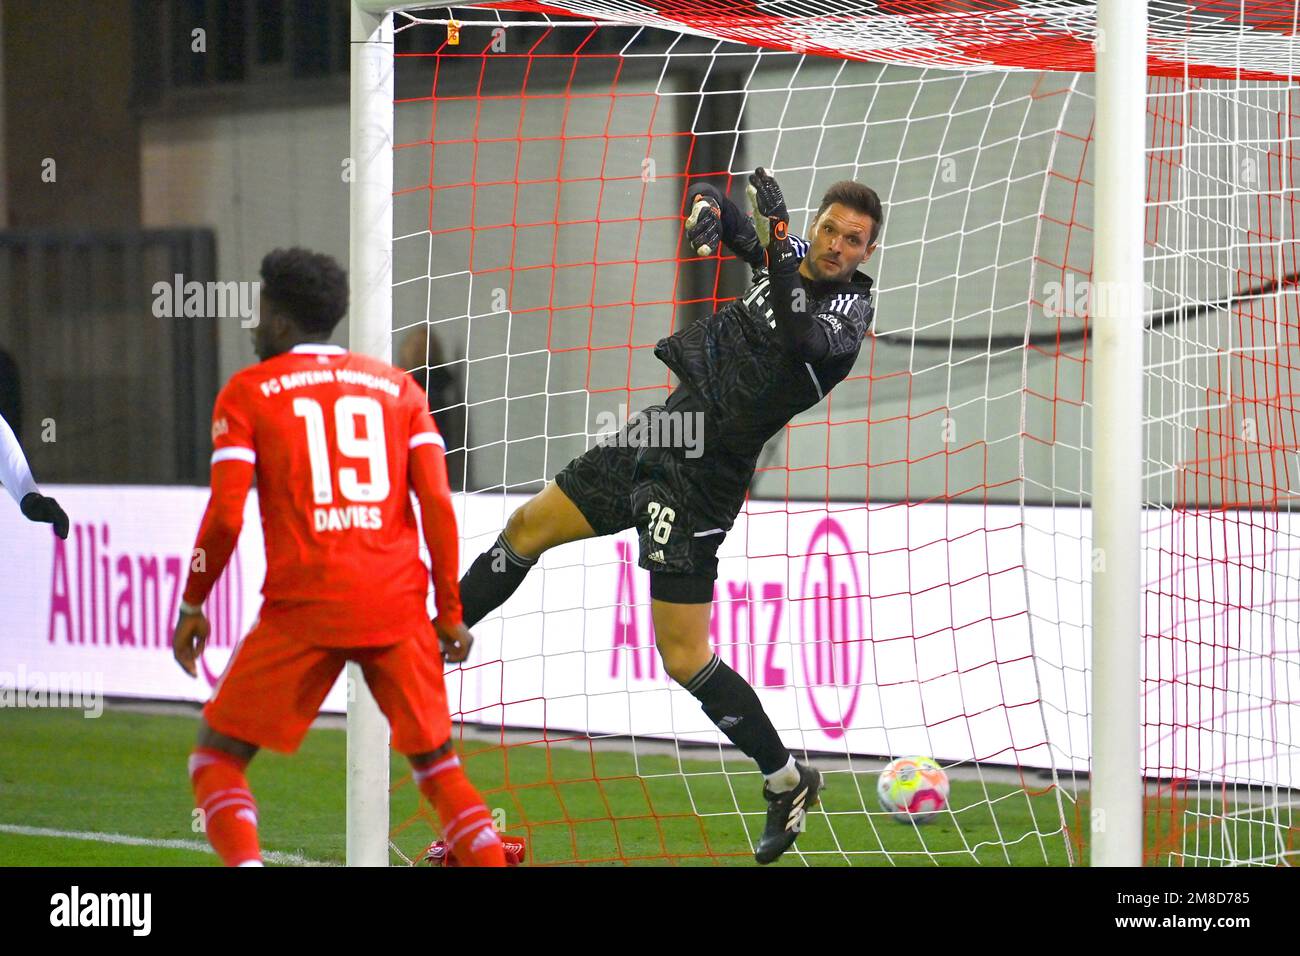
(839, 243)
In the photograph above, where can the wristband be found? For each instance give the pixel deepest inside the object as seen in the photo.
(782, 258)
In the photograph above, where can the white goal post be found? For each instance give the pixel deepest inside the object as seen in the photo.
(1117, 448)
(370, 323)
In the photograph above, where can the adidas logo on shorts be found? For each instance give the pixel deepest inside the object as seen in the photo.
(657, 556)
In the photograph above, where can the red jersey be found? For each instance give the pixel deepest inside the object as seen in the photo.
(330, 434)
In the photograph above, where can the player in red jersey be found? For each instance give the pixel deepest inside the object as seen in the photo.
(337, 442)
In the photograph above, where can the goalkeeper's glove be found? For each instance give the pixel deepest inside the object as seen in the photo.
(771, 221)
(36, 507)
(704, 226)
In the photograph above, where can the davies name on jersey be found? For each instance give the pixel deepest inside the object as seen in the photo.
(348, 516)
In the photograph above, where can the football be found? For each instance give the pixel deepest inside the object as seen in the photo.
(913, 789)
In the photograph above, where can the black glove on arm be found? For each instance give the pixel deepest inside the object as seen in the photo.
(704, 226)
(734, 229)
(790, 306)
(37, 507)
(771, 221)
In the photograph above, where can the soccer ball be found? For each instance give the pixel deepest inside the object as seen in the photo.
(913, 789)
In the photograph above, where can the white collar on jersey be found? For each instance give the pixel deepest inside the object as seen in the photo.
(312, 348)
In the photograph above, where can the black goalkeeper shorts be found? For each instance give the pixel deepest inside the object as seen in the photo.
(681, 506)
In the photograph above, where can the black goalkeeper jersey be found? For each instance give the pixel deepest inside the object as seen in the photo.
(749, 382)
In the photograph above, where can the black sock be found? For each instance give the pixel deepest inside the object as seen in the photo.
(491, 579)
(735, 709)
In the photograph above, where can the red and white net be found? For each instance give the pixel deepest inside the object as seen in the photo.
(910, 573)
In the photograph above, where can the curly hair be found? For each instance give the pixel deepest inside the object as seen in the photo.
(310, 287)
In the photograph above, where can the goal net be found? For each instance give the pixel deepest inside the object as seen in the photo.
(910, 573)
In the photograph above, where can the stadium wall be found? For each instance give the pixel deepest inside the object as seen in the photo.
(953, 649)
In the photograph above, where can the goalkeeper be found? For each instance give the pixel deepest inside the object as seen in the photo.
(16, 476)
(744, 371)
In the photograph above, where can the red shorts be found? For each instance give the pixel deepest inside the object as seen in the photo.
(274, 685)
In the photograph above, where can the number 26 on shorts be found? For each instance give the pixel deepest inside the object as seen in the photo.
(661, 521)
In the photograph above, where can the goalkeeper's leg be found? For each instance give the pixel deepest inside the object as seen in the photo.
(547, 519)
(680, 605)
(589, 497)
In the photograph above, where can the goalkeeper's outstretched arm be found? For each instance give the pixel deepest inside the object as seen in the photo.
(802, 335)
(16, 476)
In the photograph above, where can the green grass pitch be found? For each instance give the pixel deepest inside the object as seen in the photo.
(69, 785)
